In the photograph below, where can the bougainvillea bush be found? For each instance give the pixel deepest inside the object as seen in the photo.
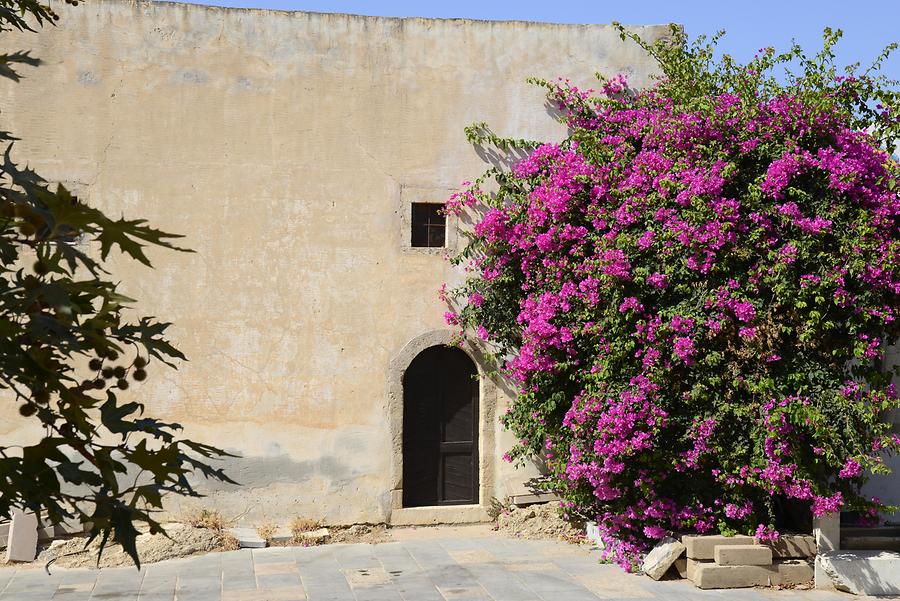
(694, 291)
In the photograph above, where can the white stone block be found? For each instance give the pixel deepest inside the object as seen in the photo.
(704, 546)
(315, 537)
(593, 533)
(862, 572)
(827, 532)
(744, 555)
(23, 537)
(661, 558)
(248, 538)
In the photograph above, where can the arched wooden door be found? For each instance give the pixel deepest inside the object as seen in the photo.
(440, 429)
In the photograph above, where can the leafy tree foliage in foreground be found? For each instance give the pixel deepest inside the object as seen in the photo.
(68, 355)
(694, 292)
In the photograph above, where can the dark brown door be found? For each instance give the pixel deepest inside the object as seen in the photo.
(440, 429)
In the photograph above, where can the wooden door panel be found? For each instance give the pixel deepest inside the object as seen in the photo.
(458, 478)
(440, 429)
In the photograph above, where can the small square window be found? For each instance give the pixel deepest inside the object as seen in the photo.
(429, 224)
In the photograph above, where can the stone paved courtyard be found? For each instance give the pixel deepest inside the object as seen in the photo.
(441, 565)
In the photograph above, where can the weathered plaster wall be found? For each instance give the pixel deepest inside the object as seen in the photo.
(887, 487)
(285, 146)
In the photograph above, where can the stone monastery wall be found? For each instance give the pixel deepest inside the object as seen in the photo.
(287, 147)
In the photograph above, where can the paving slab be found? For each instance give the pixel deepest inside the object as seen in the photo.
(425, 567)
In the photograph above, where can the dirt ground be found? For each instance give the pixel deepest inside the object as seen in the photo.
(360, 533)
(537, 522)
(183, 540)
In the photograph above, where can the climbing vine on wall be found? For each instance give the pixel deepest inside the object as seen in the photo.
(694, 291)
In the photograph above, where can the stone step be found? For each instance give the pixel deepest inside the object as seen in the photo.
(743, 555)
(793, 546)
(850, 531)
(862, 572)
(704, 547)
(788, 546)
(871, 543)
(788, 572)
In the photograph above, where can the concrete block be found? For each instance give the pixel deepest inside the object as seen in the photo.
(680, 566)
(793, 546)
(23, 537)
(780, 573)
(593, 533)
(248, 538)
(827, 532)
(315, 537)
(661, 558)
(871, 543)
(532, 498)
(704, 547)
(283, 536)
(743, 555)
(864, 572)
(691, 567)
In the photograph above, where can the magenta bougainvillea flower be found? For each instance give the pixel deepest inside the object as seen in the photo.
(693, 293)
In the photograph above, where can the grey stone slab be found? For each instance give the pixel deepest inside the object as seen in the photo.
(335, 587)
(26, 596)
(319, 595)
(464, 593)
(114, 587)
(324, 570)
(240, 560)
(156, 597)
(542, 582)
(501, 585)
(419, 589)
(162, 570)
(35, 582)
(277, 580)
(458, 544)
(199, 596)
(273, 555)
(356, 557)
(158, 586)
(112, 594)
(377, 594)
(429, 554)
(78, 576)
(309, 552)
(452, 576)
(230, 583)
(187, 586)
(72, 596)
(317, 562)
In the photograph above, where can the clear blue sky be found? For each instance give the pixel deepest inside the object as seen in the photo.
(751, 24)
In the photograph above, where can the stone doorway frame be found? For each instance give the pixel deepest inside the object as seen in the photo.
(488, 392)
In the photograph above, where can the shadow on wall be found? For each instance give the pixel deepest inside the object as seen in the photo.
(259, 472)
